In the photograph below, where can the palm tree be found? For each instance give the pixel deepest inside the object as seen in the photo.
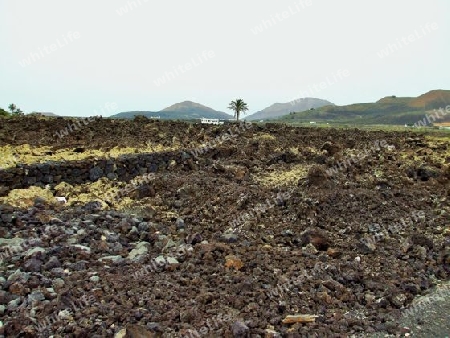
(14, 110)
(238, 106)
(12, 107)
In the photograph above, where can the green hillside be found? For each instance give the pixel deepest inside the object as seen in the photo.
(389, 110)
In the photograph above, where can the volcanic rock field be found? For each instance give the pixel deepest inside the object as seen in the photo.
(147, 228)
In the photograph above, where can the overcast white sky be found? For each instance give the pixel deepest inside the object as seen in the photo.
(101, 57)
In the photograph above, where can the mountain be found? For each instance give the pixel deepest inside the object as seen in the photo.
(388, 110)
(195, 110)
(132, 114)
(434, 99)
(43, 114)
(280, 109)
(186, 110)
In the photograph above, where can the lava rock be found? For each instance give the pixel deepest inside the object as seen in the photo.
(316, 238)
(53, 262)
(32, 265)
(229, 238)
(239, 329)
(180, 223)
(95, 173)
(425, 173)
(140, 250)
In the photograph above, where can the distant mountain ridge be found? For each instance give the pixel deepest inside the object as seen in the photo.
(185, 110)
(195, 110)
(280, 109)
(43, 114)
(388, 110)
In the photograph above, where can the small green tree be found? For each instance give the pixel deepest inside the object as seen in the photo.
(238, 106)
(3, 112)
(14, 110)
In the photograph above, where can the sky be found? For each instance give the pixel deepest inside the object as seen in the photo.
(86, 58)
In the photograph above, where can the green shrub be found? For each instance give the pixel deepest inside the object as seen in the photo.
(3, 112)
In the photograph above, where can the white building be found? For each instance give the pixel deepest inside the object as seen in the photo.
(210, 121)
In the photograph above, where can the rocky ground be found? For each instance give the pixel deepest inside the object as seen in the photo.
(275, 232)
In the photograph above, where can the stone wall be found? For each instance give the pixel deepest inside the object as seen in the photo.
(123, 168)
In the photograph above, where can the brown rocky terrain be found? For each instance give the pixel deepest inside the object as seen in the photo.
(271, 231)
